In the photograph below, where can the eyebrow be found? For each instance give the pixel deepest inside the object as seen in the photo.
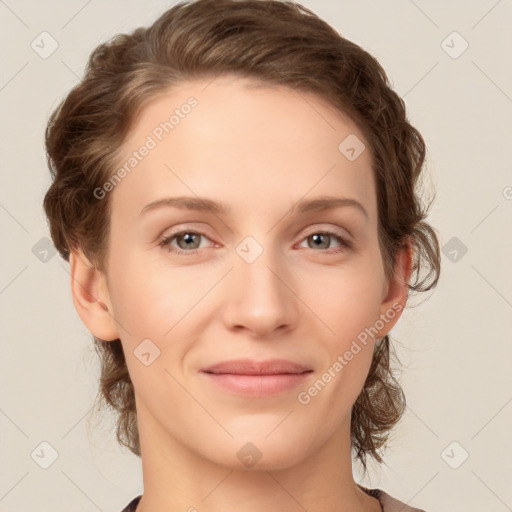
(203, 204)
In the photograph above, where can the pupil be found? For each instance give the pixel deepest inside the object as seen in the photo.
(189, 237)
(318, 238)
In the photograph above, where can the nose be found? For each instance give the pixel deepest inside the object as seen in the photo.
(260, 295)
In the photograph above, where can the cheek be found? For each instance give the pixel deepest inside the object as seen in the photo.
(143, 299)
(347, 300)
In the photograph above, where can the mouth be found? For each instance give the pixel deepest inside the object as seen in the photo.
(257, 378)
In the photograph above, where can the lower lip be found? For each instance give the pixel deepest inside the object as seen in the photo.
(257, 385)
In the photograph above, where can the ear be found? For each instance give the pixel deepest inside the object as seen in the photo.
(91, 297)
(396, 291)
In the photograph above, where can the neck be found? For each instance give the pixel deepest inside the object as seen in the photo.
(178, 479)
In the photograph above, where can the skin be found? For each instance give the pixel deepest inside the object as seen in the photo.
(259, 150)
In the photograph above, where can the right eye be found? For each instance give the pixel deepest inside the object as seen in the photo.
(188, 242)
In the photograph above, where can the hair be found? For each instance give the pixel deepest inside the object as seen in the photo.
(276, 43)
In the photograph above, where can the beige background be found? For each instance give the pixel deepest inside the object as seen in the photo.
(456, 345)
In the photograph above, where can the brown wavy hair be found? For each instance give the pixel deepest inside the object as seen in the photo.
(276, 43)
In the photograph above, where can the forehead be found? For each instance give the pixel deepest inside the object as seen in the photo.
(243, 142)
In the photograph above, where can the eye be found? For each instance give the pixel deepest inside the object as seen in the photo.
(323, 239)
(187, 242)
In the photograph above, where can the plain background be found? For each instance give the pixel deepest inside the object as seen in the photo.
(456, 345)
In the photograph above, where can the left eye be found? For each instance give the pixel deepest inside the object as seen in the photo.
(190, 241)
(322, 240)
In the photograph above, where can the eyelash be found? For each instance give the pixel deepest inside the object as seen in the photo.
(165, 242)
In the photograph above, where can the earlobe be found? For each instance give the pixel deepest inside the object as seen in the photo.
(91, 297)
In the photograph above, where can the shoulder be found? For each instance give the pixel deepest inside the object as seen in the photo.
(132, 505)
(388, 503)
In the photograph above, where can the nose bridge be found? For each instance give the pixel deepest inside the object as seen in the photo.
(257, 266)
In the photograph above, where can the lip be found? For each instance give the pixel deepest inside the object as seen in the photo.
(251, 367)
(257, 378)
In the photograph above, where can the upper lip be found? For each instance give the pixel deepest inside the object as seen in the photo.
(251, 367)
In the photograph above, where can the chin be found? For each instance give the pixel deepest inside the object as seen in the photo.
(258, 453)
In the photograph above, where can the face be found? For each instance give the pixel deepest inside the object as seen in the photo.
(253, 266)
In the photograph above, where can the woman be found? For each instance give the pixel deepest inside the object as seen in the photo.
(235, 188)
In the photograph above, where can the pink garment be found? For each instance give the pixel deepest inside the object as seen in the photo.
(387, 502)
